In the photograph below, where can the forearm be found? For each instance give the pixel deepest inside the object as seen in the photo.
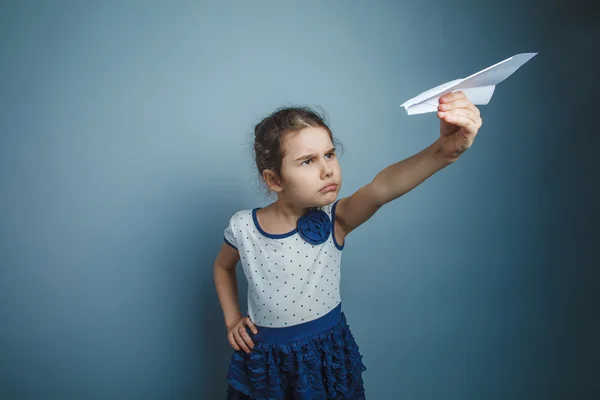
(227, 291)
(401, 177)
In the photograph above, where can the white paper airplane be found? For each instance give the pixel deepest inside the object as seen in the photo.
(478, 87)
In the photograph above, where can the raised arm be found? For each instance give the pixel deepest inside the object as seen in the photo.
(389, 184)
(459, 122)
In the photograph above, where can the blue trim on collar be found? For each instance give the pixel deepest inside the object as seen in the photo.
(333, 227)
(269, 235)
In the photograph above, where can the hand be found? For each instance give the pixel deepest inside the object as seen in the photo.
(237, 335)
(459, 122)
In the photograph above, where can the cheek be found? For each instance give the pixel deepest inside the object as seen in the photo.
(337, 169)
(297, 177)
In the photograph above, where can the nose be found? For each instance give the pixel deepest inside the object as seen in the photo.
(326, 171)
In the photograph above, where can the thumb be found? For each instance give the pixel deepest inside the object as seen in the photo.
(251, 325)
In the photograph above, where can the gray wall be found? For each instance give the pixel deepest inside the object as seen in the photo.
(124, 149)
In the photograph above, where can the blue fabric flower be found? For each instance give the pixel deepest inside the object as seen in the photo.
(314, 226)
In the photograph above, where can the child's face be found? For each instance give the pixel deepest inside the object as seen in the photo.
(303, 178)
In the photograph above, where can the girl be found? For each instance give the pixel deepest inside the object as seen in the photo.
(295, 342)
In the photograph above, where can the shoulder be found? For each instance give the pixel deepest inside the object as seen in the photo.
(337, 231)
(241, 216)
(330, 208)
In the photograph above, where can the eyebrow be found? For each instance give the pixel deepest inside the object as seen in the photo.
(305, 157)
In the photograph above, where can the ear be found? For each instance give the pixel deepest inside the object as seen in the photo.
(273, 180)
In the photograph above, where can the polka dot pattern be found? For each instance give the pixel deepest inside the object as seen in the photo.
(290, 281)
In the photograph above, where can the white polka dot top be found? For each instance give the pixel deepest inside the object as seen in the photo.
(290, 281)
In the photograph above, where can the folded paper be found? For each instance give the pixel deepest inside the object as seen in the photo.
(478, 87)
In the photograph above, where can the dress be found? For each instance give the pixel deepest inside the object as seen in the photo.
(304, 348)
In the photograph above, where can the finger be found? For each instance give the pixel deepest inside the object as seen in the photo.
(240, 342)
(461, 121)
(447, 98)
(232, 342)
(251, 325)
(460, 103)
(246, 338)
(460, 111)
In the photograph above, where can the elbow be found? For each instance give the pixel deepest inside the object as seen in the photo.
(227, 267)
(378, 193)
(219, 267)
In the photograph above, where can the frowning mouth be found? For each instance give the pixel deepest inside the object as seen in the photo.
(330, 187)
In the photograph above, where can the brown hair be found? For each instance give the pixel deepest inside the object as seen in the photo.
(270, 133)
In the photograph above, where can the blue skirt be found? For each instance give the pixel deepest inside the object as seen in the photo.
(318, 359)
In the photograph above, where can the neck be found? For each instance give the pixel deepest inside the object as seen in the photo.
(286, 211)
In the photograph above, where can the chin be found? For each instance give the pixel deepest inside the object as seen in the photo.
(329, 197)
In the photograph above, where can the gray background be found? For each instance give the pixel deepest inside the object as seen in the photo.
(125, 148)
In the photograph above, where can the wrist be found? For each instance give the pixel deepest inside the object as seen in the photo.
(439, 155)
(231, 321)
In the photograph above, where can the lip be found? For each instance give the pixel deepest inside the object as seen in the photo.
(330, 187)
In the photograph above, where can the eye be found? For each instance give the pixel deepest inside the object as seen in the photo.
(332, 154)
(306, 161)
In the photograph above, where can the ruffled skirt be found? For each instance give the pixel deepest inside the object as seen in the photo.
(313, 365)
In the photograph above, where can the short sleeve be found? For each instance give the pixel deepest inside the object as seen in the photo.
(330, 209)
(339, 246)
(229, 236)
